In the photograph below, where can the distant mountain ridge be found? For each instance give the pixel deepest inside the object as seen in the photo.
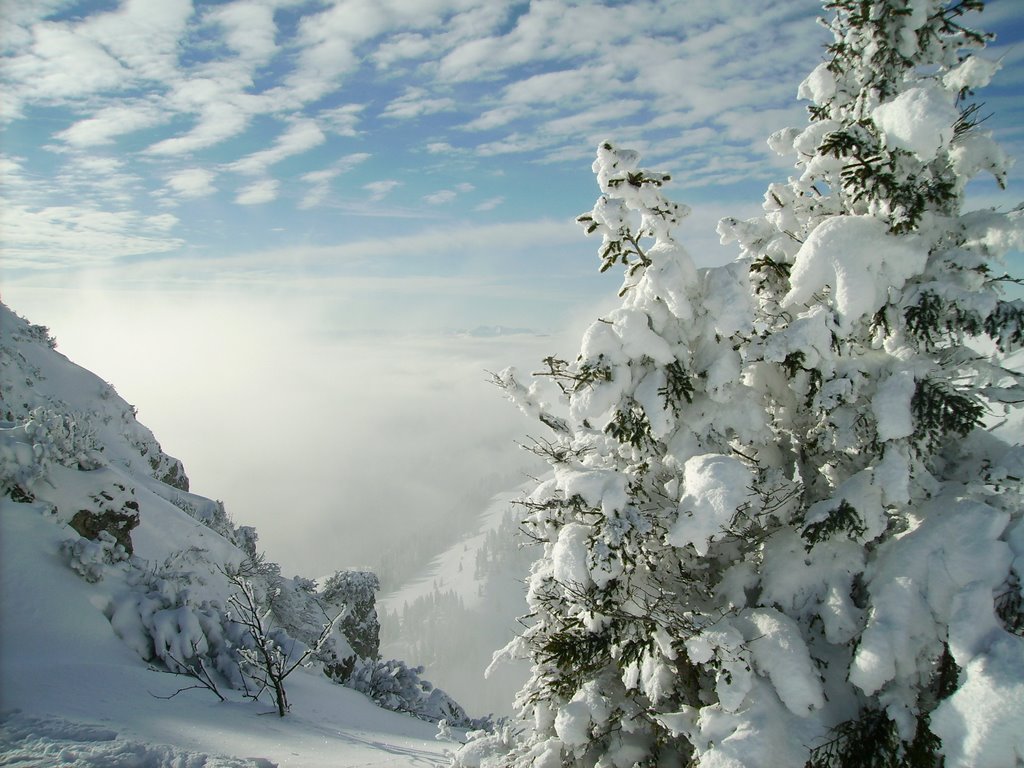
(491, 331)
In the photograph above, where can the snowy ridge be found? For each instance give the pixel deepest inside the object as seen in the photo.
(494, 331)
(93, 628)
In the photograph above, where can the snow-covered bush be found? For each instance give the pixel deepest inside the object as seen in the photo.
(262, 630)
(72, 426)
(40, 334)
(173, 614)
(482, 747)
(396, 686)
(87, 557)
(20, 467)
(269, 654)
(214, 516)
(63, 438)
(776, 532)
(357, 590)
(242, 626)
(46, 437)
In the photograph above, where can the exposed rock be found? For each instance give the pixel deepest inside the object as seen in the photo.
(118, 524)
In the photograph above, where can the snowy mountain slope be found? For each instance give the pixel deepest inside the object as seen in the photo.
(33, 375)
(453, 569)
(463, 607)
(88, 630)
(67, 678)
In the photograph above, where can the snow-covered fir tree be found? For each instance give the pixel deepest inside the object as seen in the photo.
(777, 531)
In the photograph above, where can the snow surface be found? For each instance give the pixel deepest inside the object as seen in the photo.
(858, 259)
(716, 487)
(919, 120)
(71, 688)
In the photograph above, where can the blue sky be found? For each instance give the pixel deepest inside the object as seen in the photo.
(176, 174)
(267, 140)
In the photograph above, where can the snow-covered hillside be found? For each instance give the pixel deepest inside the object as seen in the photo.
(464, 606)
(94, 626)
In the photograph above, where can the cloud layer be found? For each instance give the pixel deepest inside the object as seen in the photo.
(333, 446)
(253, 103)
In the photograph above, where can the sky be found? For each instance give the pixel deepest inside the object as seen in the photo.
(266, 221)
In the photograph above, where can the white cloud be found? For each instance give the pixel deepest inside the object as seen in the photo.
(64, 64)
(97, 165)
(342, 165)
(192, 183)
(322, 176)
(342, 120)
(514, 143)
(380, 189)
(249, 29)
(108, 52)
(533, 236)
(440, 197)
(416, 102)
(400, 48)
(552, 32)
(11, 172)
(315, 196)
(673, 61)
(587, 121)
(469, 60)
(216, 83)
(322, 68)
(301, 136)
(441, 148)
(18, 19)
(218, 122)
(343, 262)
(144, 35)
(163, 222)
(608, 63)
(257, 193)
(320, 180)
(65, 236)
(490, 204)
(328, 41)
(751, 126)
(553, 87)
(548, 78)
(100, 181)
(497, 117)
(111, 122)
